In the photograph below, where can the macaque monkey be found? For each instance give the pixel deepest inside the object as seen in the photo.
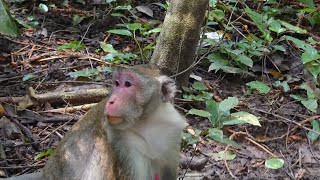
(135, 134)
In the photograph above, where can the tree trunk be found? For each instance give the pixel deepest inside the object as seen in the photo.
(179, 38)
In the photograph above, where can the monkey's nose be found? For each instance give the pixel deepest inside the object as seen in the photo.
(111, 102)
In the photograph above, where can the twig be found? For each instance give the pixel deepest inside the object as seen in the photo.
(262, 147)
(22, 167)
(27, 132)
(298, 124)
(57, 129)
(225, 153)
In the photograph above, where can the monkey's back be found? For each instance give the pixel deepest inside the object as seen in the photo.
(83, 153)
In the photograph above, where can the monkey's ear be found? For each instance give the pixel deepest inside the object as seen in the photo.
(168, 88)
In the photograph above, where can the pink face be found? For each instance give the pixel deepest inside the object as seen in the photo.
(123, 94)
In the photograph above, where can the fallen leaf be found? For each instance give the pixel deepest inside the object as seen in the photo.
(146, 10)
(10, 130)
(194, 163)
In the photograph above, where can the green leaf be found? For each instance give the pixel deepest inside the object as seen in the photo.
(199, 112)
(314, 69)
(309, 3)
(228, 104)
(310, 104)
(28, 77)
(293, 28)
(123, 32)
(310, 91)
(217, 65)
(155, 30)
(217, 14)
(279, 47)
(275, 26)
(274, 163)
(81, 1)
(22, 23)
(7, 24)
(118, 15)
(110, 1)
(245, 60)
(84, 73)
(233, 70)
(128, 7)
(76, 19)
(44, 8)
(104, 69)
(242, 117)
(258, 20)
(300, 44)
(297, 97)
(213, 57)
(43, 154)
(134, 26)
(309, 56)
(223, 155)
(72, 45)
(203, 96)
(189, 138)
(107, 47)
(284, 85)
(198, 85)
(312, 135)
(213, 3)
(259, 86)
(309, 50)
(213, 108)
(217, 135)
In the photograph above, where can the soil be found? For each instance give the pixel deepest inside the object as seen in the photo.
(26, 130)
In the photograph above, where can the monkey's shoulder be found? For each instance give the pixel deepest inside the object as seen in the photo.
(90, 118)
(83, 151)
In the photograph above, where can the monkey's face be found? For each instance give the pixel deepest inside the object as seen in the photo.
(130, 94)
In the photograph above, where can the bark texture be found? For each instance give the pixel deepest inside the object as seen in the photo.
(179, 38)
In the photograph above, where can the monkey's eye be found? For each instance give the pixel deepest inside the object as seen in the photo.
(127, 83)
(116, 83)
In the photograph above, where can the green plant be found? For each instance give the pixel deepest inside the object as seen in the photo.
(223, 155)
(259, 86)
(137, 31)
(95, 73)
(197, 92)
(221, 114)
(237, 57)
(8, 26)
(218, 113)
(311, 101)
(114, 56)
(314, 135)
(43, 154)
(74, 45)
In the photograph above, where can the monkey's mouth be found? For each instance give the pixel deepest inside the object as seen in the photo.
(114, 120)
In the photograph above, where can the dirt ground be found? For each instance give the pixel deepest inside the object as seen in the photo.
(26, 132)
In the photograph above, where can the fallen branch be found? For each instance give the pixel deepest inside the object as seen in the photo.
(78, 95)
(72, 109)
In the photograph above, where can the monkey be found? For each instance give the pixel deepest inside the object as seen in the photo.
(134, 134)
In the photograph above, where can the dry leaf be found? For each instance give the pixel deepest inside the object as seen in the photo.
(146, 10)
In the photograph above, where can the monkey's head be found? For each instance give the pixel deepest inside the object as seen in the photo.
(136, 93)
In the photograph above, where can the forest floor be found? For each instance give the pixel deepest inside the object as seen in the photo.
(31, 121)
